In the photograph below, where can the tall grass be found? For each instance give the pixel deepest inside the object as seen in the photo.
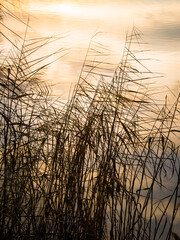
(103, 166)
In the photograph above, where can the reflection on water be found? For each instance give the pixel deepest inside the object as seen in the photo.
(80, 20)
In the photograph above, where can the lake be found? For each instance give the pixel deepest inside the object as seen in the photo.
(72, 25)
(78, 21)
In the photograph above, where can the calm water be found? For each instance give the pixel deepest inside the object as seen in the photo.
(79, 20)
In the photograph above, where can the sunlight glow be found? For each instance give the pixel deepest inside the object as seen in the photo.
(86, 11)
(66, 9)
(61, 8)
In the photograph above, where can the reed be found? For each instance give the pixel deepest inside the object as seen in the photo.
(101, 166)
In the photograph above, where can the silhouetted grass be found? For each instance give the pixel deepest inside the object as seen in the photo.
(103, 166)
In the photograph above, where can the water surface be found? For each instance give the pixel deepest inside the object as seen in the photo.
(78, 21)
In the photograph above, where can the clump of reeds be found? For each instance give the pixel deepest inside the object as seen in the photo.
(102, 167)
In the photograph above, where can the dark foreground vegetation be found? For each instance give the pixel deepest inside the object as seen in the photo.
(102, 166)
